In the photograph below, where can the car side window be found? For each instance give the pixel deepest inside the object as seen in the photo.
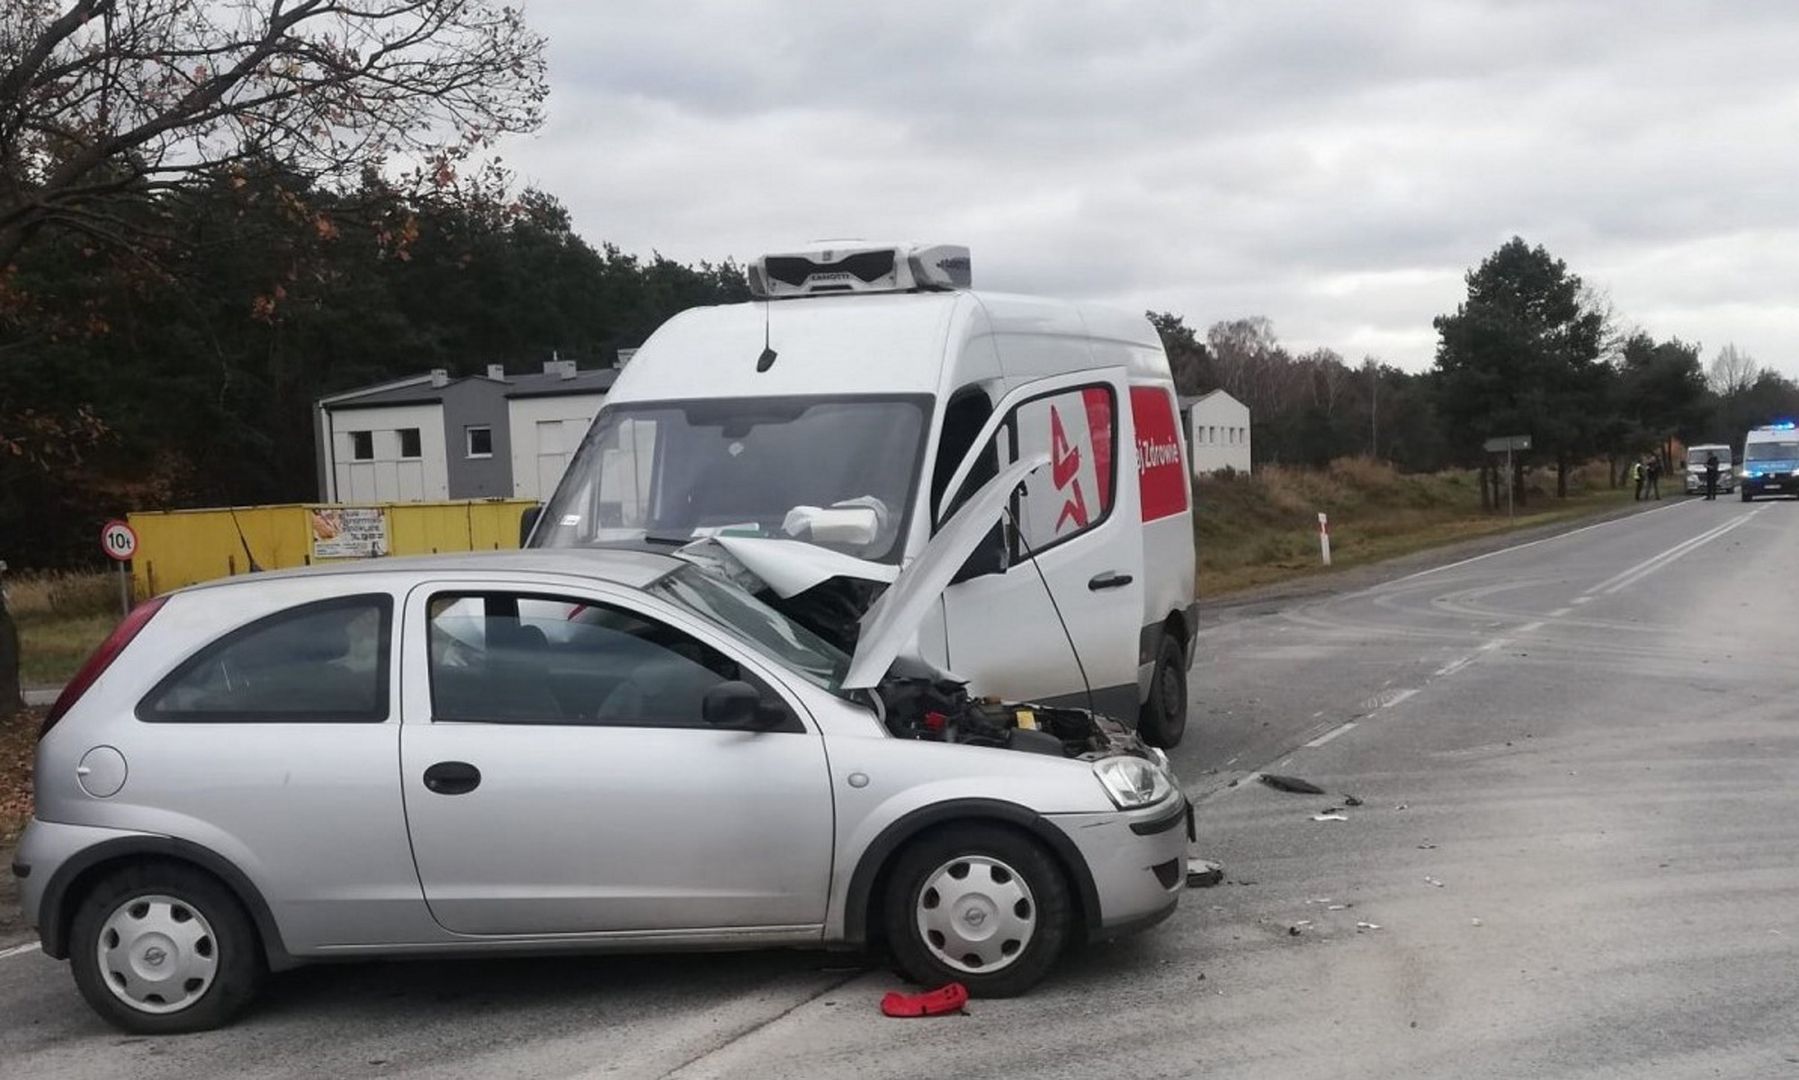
(1078, 428)
(319, 662)
(513, 658)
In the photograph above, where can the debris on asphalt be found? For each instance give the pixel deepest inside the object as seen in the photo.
(1402, 806)
(1476, 922)
(1427, 847)
(946, 999)
(1433, 882)
(1339, 907)
(1291, 784)
(1351, 800)
(1203, 873)
(1367, 926)
(1319, 900)
(1329, 817)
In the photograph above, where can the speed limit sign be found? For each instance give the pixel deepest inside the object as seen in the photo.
(118, 540)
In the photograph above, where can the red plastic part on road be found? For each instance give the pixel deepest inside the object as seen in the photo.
(942, 1001)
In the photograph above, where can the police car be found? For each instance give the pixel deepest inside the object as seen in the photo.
(1770, 461)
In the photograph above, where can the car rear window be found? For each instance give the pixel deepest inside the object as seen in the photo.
(323, 662)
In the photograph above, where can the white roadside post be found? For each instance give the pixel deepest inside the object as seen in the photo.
(1324, 537)
(119, 541)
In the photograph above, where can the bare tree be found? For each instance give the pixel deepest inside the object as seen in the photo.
(1732, 371)
(104, 100)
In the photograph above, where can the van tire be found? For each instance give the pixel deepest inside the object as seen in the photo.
(236, 974)
(1163, 719)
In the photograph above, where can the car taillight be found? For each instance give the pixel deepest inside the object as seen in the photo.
(102, 658)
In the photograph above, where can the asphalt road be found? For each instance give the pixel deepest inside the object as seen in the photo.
(1578, 850)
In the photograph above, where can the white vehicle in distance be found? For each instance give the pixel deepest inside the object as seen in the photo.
(856, 403)
(1697, 456)
(555, 751)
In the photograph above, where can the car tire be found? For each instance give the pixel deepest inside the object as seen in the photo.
(1747, 497)
(145, 920)
(986, 889)
(1163, 719)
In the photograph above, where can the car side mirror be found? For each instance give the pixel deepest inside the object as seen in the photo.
(733, 705)
(528, 521)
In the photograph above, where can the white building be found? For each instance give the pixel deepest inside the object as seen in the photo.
(1217, 427)
(430, 437)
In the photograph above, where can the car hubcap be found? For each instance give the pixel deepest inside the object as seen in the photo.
(157, 954)
(976, 914)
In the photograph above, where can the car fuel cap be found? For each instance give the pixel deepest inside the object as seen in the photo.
(101, 772)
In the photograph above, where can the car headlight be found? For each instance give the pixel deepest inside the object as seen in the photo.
(1133, 782)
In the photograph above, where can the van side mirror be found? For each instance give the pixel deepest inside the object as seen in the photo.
(732, 705)
(528, 521)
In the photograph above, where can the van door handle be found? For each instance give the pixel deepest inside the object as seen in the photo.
(452, 778)
(1111, 579)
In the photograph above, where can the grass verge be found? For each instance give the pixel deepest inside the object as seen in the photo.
(61, 618)
(1262, 528)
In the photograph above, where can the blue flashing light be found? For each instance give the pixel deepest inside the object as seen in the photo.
(1783, 425)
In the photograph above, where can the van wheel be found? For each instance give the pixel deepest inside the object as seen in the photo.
(977, 904)
(162, 949)
(1164, 717)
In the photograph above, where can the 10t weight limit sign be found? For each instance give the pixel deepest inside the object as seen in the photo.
(119, 541)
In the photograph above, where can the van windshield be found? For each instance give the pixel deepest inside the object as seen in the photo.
(837, 471)
(1697, 456)
(1771, 451)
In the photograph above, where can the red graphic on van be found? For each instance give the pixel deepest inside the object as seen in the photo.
(1161, 477)
(1065, 469)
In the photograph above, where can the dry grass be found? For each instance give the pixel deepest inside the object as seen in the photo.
(61, 617)
(1261, 528)
(18, 741)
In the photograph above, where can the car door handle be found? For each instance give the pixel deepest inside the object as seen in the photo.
(1111, 579)
(452, 778)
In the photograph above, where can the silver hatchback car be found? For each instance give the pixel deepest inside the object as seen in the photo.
(534, 752)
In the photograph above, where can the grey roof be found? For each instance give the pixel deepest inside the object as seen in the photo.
(629, 567)
(420, 391)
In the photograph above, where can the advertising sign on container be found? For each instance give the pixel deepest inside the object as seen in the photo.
(348, 532)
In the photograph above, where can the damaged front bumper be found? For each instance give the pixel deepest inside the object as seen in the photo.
(1138, 859)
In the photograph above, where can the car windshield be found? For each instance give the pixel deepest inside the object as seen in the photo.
(1771, 451)
(764, 628)
(671, 471)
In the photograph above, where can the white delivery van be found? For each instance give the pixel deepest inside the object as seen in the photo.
(854, 404)
(1695, 468)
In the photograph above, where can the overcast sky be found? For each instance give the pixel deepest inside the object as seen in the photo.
(1335, 166)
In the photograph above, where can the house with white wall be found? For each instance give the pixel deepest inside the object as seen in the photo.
(432, 437)
(1217, 429)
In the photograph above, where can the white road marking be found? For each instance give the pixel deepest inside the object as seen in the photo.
(1530, 628)
(1452, 667)
(1332, 733)
(21, 950)
(1496, 643)
(1531, 543)
(1397, 698)
(1583, 600)
(1559, 612)
(1649, 566)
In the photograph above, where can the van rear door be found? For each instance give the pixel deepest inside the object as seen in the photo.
(1070, 562)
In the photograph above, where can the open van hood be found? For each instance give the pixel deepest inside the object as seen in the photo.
(892, 623)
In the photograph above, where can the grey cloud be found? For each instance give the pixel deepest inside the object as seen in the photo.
(1335, 166)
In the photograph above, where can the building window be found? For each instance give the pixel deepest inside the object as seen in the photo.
(409, 443)
(480, 441)
(362, 445)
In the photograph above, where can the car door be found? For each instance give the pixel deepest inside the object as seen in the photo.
(1071, 565)
(559, 779)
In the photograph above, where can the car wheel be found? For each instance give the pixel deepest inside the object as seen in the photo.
(1164, 717)
(160, 949)
(1747, 497)
(981, 905)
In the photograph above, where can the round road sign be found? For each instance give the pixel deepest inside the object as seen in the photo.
(118, 540)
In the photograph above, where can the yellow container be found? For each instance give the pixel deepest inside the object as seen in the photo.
(177, 548)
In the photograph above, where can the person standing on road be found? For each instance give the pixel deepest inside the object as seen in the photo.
(1711, 476)
(1636, 474)
(1654, 478)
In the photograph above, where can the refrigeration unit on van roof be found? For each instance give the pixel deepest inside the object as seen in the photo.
(859, 266)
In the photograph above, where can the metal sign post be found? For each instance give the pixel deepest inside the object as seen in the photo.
(119, 541)
(1508, 443)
